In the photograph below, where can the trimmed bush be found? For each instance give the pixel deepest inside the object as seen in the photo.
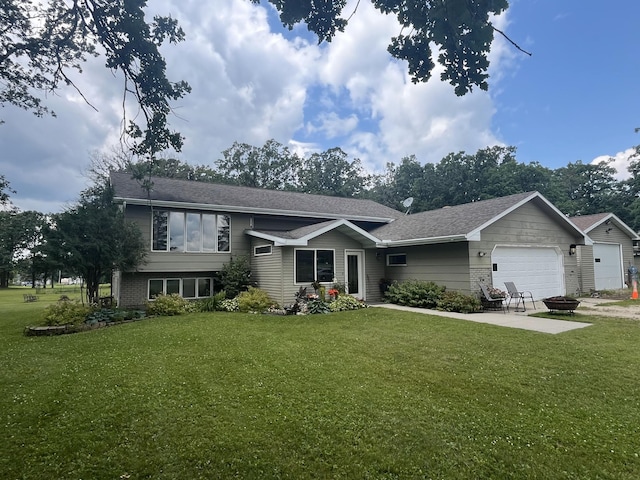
(66, 313)
(168, 305)
(415, 293)
(254, 300)
(459, 302)
(346, 302)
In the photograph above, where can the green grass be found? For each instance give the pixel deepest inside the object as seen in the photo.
(369, 394)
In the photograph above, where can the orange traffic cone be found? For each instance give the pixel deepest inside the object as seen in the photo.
(634, 294)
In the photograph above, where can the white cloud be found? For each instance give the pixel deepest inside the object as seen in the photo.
(620, 161)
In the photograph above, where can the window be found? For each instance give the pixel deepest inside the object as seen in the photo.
(262, 250)
(190, 232)
(185, 287)
(311, 265)
(397, 260)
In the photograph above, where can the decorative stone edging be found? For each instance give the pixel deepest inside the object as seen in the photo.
(47, 331)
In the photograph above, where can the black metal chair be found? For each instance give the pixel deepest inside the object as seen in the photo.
(519, 296)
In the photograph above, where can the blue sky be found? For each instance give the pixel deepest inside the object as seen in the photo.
(574, 99)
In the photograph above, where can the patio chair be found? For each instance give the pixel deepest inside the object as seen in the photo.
(491, 303)
(519, 296)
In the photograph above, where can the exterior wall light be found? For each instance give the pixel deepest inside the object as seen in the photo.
(572, 249)
(481, 254)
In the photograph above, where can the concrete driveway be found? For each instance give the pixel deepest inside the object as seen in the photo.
(511, 319)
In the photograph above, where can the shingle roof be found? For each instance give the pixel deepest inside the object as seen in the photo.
(250, 200)
(584, 222)
(449, 221)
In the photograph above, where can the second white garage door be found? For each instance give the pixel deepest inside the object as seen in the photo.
(607, 265)
(539, 270)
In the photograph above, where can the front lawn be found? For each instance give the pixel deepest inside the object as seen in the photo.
(371, 394)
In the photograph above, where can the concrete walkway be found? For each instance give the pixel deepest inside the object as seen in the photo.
(510, 319)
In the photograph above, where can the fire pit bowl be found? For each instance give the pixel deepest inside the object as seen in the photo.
(566, 304)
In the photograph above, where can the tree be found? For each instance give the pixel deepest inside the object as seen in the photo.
(5, 190)
(460, 29)
(41, 43)
(93, 238)
(584, 189)
(271, 166)
(331, 173)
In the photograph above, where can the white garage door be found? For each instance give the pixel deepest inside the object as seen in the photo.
(607, 266)
(539, 270)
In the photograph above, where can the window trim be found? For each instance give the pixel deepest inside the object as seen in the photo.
(315, 264)
(181, 286)
(389, 264)
(185, 247)
(255, 250)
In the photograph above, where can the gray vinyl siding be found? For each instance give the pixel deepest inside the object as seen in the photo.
(444, 264)
(374, 272)
(332, 240)
(189, 261)
(267, 272)
(528, 225)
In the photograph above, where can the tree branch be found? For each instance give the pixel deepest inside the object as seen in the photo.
(509, 40)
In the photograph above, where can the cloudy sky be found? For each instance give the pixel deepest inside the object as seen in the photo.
(575, 99)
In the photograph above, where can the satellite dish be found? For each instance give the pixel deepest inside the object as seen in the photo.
(406, 203)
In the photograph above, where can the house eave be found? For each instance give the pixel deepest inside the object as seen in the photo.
(250, 210)
(423, 241)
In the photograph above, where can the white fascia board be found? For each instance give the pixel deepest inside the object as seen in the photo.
(423, 241)
(278, 241)
(249, 210)
(303, 241)
(340, 223)
(619, 223)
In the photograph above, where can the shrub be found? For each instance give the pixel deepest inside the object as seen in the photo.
(459, 302)
(172, 304)
(67, 312)
(235, 276)
(254, 300)
(415, 293)
(229, 305)
(110, 315)
(346, 302)
(211, 304)
(317, 305)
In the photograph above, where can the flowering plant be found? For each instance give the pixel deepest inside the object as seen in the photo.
(333, 292)
(496, 292)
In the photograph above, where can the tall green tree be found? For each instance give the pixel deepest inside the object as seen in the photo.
(271, 166)
(331, 173)
(92, 239)
(584, 189)
(41, 43)
(461, 30)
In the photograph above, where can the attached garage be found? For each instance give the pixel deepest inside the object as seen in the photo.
(539, 270)
(608, 268)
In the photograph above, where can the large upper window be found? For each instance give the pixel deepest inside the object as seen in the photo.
(190, 232)
(314, 265)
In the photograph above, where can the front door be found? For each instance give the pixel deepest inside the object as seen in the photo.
(354, 268)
